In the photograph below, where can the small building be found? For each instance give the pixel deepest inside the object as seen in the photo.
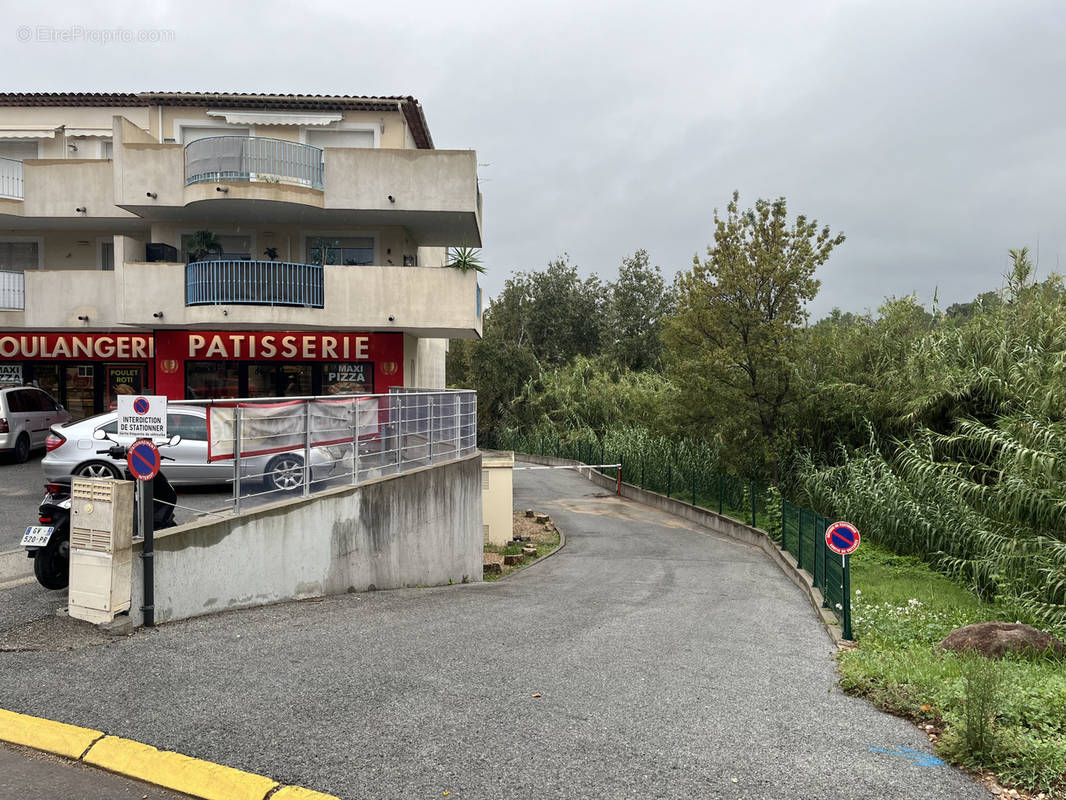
(497, 496)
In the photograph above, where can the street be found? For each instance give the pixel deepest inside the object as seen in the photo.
(644, 659)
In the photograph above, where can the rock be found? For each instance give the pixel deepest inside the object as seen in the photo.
(512, 560)
(543, 519)
(529, 551)
(995, 639)
(490, 569)
(529, 512)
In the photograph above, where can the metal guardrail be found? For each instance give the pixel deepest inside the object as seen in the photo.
(284, 446)
(12, 291)
(253, 158)
(260, 283)
(11, 178)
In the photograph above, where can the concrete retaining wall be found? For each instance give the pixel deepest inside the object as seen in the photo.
(714, 522)
(421, 527)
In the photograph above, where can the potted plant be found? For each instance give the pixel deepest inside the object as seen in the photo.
(464, 259)
(271, 253)
(202, 244)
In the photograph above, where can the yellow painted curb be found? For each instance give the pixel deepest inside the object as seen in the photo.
(177, 772)
(298, 793)
(44, 734)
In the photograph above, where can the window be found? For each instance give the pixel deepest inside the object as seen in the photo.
(210, 380)
(188, 426)
(350, 250)
(107, 148)
(192, 133)
(18, 256)
(233, 247)
(18, 150)
(107, 255)
(341, 138)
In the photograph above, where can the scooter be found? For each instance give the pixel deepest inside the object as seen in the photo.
(48, 543)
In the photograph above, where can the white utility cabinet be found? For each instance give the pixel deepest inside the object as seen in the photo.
(101, 548)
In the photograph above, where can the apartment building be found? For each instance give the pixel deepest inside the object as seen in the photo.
(220, 245)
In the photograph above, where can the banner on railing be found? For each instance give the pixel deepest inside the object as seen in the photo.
(278, 427)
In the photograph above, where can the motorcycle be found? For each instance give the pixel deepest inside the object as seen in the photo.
(48, 542)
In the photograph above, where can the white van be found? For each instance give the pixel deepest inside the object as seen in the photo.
(26, 414)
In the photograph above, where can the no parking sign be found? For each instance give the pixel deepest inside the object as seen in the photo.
(842, 538)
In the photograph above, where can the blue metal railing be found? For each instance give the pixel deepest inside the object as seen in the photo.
(256, 283)
(11, 178)
(253, 158)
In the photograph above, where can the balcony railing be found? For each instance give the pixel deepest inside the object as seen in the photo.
(12, 291)
(254, 283)
(11, 178)
(253, 158)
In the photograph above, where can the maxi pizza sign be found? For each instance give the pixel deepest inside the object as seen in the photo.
(142, 415)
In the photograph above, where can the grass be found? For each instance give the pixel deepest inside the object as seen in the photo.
(1007, 717)
(546, 542)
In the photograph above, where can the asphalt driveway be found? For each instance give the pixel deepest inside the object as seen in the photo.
(668, 663)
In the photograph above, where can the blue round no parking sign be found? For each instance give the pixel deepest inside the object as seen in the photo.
(842, 538)
(143, 459)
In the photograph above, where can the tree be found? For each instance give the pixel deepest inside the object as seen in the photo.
(739, 312)
(636, 307)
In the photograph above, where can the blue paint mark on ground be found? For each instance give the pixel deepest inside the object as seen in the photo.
(919, 758)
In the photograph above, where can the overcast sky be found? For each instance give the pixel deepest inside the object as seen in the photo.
(932, 134)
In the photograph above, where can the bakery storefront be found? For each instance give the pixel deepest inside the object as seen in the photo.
(208, 365)
(84, 371)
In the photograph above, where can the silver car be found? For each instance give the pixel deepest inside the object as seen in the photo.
(26, 414)
(72, 450)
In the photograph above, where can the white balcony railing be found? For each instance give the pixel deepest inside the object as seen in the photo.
(12, 291)
(11, 178)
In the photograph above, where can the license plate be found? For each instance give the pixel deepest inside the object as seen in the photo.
(37, 536)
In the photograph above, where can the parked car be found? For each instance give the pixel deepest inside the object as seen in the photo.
(26, 414)
(72, 450)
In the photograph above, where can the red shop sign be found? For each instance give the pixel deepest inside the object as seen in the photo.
(279, 346)
(76, 346)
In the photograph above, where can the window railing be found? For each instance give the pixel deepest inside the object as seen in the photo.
(257, 283)
(11, 178)
(12, 291)
(253, 158)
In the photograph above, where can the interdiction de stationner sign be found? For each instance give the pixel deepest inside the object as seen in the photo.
(142, 415)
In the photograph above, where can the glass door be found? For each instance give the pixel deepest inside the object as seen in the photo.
(80, 384)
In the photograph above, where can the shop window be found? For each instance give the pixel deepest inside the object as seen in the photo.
(211, 380)
(348, 378)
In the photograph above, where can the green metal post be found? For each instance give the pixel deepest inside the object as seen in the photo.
(751, 487)
(669, 475)
(693, 487)
(784, 523)
(721, 494)
(799, 538)
(641, 470)
(847, 597)
(825, 571)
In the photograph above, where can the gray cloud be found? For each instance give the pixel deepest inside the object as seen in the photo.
(930, 133)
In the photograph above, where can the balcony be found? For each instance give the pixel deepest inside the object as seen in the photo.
(255, 283)
(11, 179)
(12, 291)
(253, 159)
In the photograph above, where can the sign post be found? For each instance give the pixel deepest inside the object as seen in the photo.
(843, 538)
(143, 458)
